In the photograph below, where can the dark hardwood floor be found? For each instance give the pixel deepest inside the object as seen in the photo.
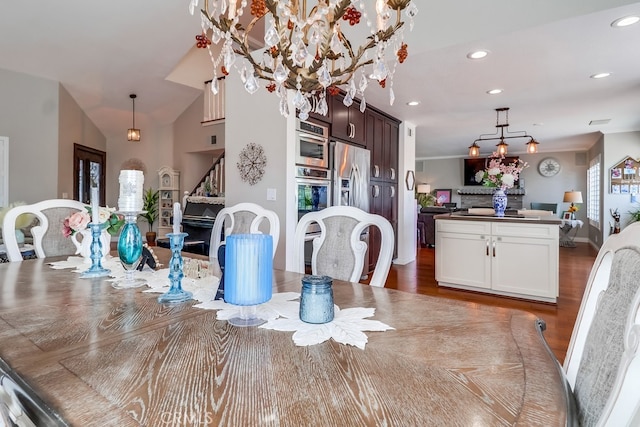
(575, 266)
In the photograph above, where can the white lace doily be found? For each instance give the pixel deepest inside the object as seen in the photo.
(281, 313)
(346, 327)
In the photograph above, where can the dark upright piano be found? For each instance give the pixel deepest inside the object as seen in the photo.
(197, 221)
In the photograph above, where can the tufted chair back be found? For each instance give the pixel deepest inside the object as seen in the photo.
(48, 239)
(339, 251)
(602, 364)
(243, 218)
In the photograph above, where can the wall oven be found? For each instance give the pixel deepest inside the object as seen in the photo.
(312, 144)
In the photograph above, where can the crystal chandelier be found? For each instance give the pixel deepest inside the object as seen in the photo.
(306, 50)
(502, 146)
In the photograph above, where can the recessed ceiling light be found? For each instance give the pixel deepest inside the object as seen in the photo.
(494, 91)
(413, 103)
(478, 54)
(625, 21)
(600, 75)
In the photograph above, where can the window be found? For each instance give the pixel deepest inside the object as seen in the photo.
(593, 192)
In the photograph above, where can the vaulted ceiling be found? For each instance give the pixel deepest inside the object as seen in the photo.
(541, 55)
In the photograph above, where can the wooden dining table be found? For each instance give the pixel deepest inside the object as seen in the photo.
(92, 355)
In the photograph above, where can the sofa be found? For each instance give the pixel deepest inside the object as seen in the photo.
(427, 224)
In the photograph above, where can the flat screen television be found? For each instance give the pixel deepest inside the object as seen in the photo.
(471, 166)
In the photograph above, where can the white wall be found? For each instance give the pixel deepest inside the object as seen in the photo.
(617, 146)
(192, 150)
(42, 122)
(155, 149)
(29, 118)
(75, 128)
(256, 118)
(407, 205)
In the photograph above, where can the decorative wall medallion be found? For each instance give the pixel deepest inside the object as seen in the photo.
(252, 163)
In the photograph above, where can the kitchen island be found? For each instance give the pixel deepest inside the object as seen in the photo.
(514, 256)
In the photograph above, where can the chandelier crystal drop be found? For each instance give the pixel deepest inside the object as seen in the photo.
(306, 48)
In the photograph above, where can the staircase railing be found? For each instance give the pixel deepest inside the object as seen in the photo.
(212, 183)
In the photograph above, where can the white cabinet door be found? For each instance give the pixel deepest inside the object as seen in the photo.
(463, 259)
(525, 266)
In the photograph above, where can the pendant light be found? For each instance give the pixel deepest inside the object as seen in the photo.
(474, 150)
(503, 133)
(133, 134)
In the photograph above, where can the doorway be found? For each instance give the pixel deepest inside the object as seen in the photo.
(88, 162)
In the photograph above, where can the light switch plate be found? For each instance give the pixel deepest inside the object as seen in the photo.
(271, 193)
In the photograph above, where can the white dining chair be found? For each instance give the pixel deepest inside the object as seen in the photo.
(339, 251)
(48, 239)
(602, 365)
(243, 218)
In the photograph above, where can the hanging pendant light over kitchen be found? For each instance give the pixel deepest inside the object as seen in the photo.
(502, 127)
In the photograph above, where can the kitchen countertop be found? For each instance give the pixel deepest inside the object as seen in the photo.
(464, 216)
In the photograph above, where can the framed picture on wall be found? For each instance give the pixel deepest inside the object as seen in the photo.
(443, 196)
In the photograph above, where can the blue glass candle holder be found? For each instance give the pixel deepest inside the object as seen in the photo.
(130, 251)
(176, 294)
(248, 275)
(316, 299)
(96, 269)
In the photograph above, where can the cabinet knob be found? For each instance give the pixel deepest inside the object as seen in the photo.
(376, 171)
(393, 173)
(393, 192)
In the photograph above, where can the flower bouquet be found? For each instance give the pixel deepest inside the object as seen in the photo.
(499, 174)
(78, 221)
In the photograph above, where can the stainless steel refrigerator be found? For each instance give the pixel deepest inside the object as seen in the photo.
(350, 175)
(350, 182)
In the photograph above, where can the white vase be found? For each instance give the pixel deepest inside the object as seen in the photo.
(83, 248)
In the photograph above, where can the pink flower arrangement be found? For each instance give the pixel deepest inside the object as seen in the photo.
(500, 175)
(79, 221)
(75, 222)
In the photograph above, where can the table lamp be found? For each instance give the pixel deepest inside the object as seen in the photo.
(572, 197)
(424, 189)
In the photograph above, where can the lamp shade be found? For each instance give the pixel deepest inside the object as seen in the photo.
(474, 150)
(572, 197)
(424, 188)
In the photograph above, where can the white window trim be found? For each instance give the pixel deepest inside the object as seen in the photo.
(593, 182)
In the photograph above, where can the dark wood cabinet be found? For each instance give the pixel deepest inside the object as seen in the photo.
(347, 123)
(384, 202)
(329, 116)
(382, 141)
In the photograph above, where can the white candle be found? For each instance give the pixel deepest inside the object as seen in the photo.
(95, 205)
(177, 217)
